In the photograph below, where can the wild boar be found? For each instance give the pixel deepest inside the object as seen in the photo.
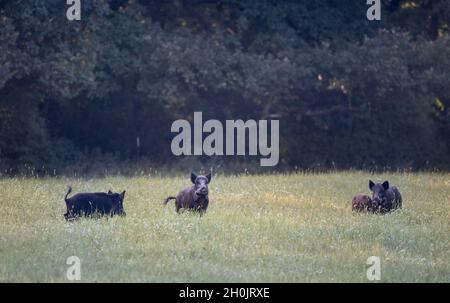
(388, 198)
(88, 204)
(361, 203)
(194, 198)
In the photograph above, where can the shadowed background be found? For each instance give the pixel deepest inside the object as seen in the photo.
(349, 93)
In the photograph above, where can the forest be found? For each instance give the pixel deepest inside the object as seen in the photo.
(100, 94)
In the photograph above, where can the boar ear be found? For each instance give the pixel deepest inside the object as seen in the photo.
(193, 177)
(208, 176)
(110, 192)
(371, 184)
(122, 194)
(386, 185)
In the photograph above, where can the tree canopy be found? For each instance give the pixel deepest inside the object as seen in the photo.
(349, 93)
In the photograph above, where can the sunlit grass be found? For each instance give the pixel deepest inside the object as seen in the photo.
(274, 228)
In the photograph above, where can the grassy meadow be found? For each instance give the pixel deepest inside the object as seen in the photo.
(269, 228)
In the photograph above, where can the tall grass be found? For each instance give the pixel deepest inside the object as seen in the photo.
(270, 228)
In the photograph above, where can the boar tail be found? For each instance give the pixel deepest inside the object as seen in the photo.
(69, 190)
(168, 199)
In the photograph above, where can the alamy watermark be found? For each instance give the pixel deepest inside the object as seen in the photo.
(74, 10)
(374, 11)
(73, 272)
(374, 270)
(214, 144)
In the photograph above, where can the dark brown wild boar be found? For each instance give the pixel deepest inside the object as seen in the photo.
(194, 198)
(388, 198)
(361, 203)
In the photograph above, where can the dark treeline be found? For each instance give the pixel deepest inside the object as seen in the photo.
(349, 93)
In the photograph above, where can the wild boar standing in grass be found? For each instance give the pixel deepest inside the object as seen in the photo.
(194, 198)
(89, 204)
(387, 197)
(361, 203)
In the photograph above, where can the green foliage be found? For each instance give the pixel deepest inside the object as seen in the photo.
(349, 93)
